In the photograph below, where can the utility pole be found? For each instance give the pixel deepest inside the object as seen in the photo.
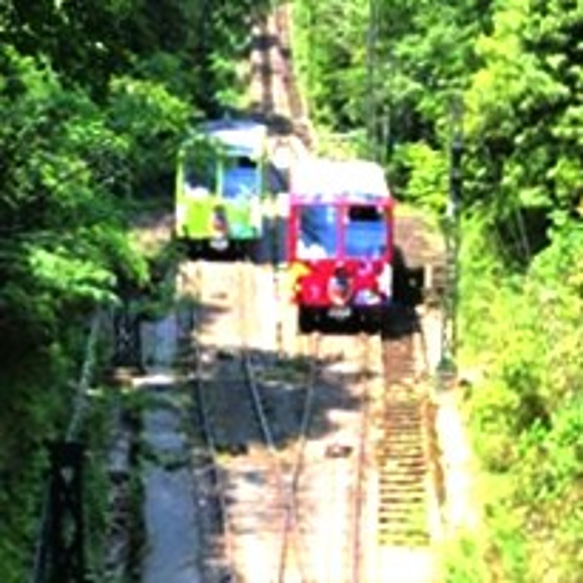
(371, 112)
(447, 367)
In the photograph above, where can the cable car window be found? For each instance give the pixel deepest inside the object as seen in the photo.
(194, 183)
(199, 172)
(365, 231)
(193, 169)
(317, 237)
(241, 178)
(364, 214)
(241, 183)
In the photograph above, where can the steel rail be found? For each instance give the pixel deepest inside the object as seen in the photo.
(290, 534)
(285, 496)
(356, 572)
(354, 529)
(291, 521)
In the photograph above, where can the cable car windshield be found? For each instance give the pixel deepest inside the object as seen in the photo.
(317, 232)
(240, 183)
(240, 179)
(365, 232)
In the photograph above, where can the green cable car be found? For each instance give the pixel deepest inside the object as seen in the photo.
(223, 181)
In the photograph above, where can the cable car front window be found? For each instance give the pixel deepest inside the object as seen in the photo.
(240, 183)
(365, 231)
(317, 232)
(193, 183)
(241, 178)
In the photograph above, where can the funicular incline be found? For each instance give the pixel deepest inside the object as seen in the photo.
(274, 93)
(402, 421)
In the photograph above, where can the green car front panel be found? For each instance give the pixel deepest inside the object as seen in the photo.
(196, 207)
(195, 218)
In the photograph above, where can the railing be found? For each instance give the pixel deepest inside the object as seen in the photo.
(60, 550)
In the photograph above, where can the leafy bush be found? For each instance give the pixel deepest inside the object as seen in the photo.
(527, 413)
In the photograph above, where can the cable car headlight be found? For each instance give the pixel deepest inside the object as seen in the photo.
(256, 212)
(367, 297)
(219, 223)
(385, 280)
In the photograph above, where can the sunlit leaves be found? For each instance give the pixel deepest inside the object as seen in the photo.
(62, 174)
(428, 179)
(524, 97)
(528, 408)
(60, 271)
(151, 118)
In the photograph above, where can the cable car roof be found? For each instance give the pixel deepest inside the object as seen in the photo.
(326, 180)
(241, 137)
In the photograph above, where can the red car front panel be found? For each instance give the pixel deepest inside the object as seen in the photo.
(334, 264)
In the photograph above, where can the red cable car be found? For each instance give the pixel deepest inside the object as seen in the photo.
(340, 242)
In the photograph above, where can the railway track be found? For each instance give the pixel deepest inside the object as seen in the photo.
(409, 482)
(264, 478)
(333, 511)
(274, 93)
(291, 469)
(255, 506)
(236, 441)
(274, 90)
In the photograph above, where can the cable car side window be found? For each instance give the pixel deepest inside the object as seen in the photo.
(365, 231)
(317, 232)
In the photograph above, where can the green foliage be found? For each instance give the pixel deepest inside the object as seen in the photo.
(463, 562)
(427, 171)
(78, 135)
(97, 97)
(330, 59)
(63, 168)
(35, 400)
(522, 107)
(526, 413)
(70, 276)
(154, 122)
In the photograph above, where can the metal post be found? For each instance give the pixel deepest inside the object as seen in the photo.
(371, 112)
(66, 532)
(127, 351)
(449, 332)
